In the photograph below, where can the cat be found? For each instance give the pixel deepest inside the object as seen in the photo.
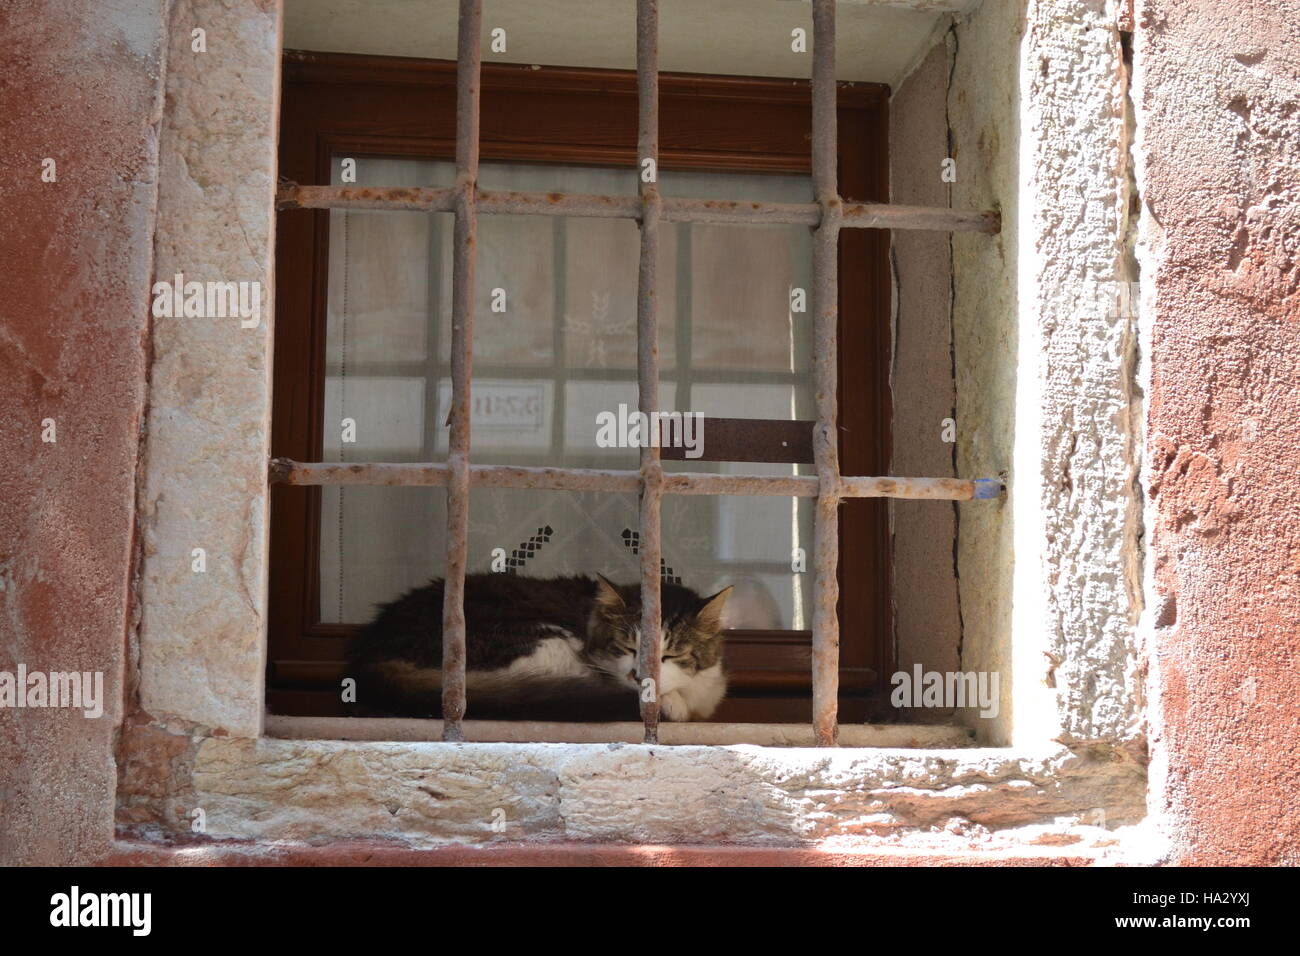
(559, 648)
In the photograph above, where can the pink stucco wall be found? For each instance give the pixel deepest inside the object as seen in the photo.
(80, 86)
(1220, 141)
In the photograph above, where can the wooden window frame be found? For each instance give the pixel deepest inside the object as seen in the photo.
(372, 105)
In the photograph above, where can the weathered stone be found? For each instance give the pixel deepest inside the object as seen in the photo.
(432, 793)
(202, 635)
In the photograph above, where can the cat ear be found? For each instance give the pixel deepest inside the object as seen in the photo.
(709, 616)
(607, 595)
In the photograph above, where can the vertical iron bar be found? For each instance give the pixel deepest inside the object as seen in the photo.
(650, 648)
(826, 625)
(468, 59)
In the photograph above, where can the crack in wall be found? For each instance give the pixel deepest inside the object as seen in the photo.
(135, 607)
(951, 42)
(896, 292)
(1131, 350)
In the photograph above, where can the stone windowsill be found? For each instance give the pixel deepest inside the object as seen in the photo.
(912, 736)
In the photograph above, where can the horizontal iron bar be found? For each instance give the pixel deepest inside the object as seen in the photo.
(925, 6)
(285, 471)
(490, 202)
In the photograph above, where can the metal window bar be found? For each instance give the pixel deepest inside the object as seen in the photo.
(826, 457)
(853, 215)
(464, 253)
(647, 358)
(827, 215)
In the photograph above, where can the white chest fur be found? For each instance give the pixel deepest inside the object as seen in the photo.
(692, 696)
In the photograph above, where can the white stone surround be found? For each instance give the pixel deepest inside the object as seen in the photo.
(1046, 578)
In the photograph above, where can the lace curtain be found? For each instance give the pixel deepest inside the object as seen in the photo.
(560, 348)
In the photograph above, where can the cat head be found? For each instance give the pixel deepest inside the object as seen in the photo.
(692, 632)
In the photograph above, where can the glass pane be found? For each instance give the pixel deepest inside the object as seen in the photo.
(375, 544)
(749, 543)
(554, 348)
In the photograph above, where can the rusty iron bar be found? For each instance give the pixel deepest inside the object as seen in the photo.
(465, 237)
(394, 198)
(825, 295)
(713, 211)
(285, 471)
(650, 646)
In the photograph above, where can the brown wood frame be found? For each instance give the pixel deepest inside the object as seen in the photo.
(394, 106)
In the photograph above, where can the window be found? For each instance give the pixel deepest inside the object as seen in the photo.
(364, 304)
(564, 349)
(200, 641)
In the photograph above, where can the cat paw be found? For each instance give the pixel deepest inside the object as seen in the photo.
(673, 706)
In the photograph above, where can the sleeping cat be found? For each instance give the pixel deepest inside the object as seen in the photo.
(542, 648)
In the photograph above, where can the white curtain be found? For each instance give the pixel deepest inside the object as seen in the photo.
(559, 348)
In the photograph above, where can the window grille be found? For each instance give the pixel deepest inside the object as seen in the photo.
(826, 215)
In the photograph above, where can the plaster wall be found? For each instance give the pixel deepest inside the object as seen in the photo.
(73, 310)
(927, 614)
(1219, 148)
(1045, 379)
(1077, 594)
(983, 105)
